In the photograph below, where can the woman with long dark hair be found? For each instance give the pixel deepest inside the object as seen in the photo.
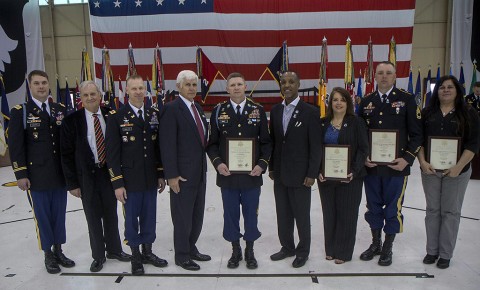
(341, 199)
(447, 115)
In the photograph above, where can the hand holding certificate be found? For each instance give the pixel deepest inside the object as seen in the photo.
(383, 146)
(336, 162)
(443, 152)
(240, 154)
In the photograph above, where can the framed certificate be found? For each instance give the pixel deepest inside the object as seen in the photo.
(336, 162)
(383, 146)
(240, 154)
(444, 152)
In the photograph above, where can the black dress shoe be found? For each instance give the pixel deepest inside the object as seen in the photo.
(51, 263)
(97, 265)
(62, 260)
(430, 259)
(200, 257)
(281, 255)
(299, 262)
(122, 256)
(188, 265)
(443, 263)
(154, 260)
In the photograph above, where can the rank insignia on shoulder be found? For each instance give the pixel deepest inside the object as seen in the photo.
(61, 104)
(112, 112)
(419, 113)
(18, 107)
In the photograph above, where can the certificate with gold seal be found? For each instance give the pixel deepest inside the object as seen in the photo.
(444, 152)
(383, 146)
(336, 162)
(240, 154)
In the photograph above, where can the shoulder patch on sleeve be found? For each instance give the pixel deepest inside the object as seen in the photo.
(18, 107)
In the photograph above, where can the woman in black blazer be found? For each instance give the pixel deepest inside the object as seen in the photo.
(341, 199)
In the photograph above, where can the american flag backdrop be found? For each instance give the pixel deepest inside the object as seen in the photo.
(245, 35)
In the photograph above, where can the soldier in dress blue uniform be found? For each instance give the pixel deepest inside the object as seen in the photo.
(239, 118)
(392, 109)
(34, 144)
(133, 159)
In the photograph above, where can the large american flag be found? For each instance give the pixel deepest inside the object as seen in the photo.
(244, 36)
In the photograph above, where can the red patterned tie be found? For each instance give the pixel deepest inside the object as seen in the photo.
(199, 124)
(100, 140)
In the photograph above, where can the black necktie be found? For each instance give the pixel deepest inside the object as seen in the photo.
(140, 116)
(384, 97)
(44, 109)
(238, 111)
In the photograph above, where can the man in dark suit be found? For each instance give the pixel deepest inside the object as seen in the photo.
(86, 174)
(183, 137)
(295, 163)
(239, 118)
(391, 109)
(34, 143)
(136, 172)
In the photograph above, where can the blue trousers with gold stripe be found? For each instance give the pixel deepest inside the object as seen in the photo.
(384, 202)
(49, 209)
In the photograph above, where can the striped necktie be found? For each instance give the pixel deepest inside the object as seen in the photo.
(100, 140)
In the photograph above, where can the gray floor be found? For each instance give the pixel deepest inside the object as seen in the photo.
(21, 263)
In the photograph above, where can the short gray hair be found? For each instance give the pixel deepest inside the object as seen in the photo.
(84, 84)
(186, 75)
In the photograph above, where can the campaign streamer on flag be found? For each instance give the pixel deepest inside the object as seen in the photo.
(108, 85)
(148, 98)
(121, 96)
(4, 118)
(28, 95)
(158, 78)
(207, 72)
(244, 38)
(418, 90)
(59, 97)
(86, 70)
(131, 70)
(78, 100)
(349, 78)
(369, 70)
(428, 91)
(392, 52)
(322, 79)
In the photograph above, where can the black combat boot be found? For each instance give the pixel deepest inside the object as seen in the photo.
(250, 256)
(386, 255)
(375, 248)
(236, 255)
(51, 263)
(136, 261)
(150, 258)
(60, 257)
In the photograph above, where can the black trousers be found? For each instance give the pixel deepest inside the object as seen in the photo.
(100, 207)
(340, 203)
(187, 209)
(293, 205)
